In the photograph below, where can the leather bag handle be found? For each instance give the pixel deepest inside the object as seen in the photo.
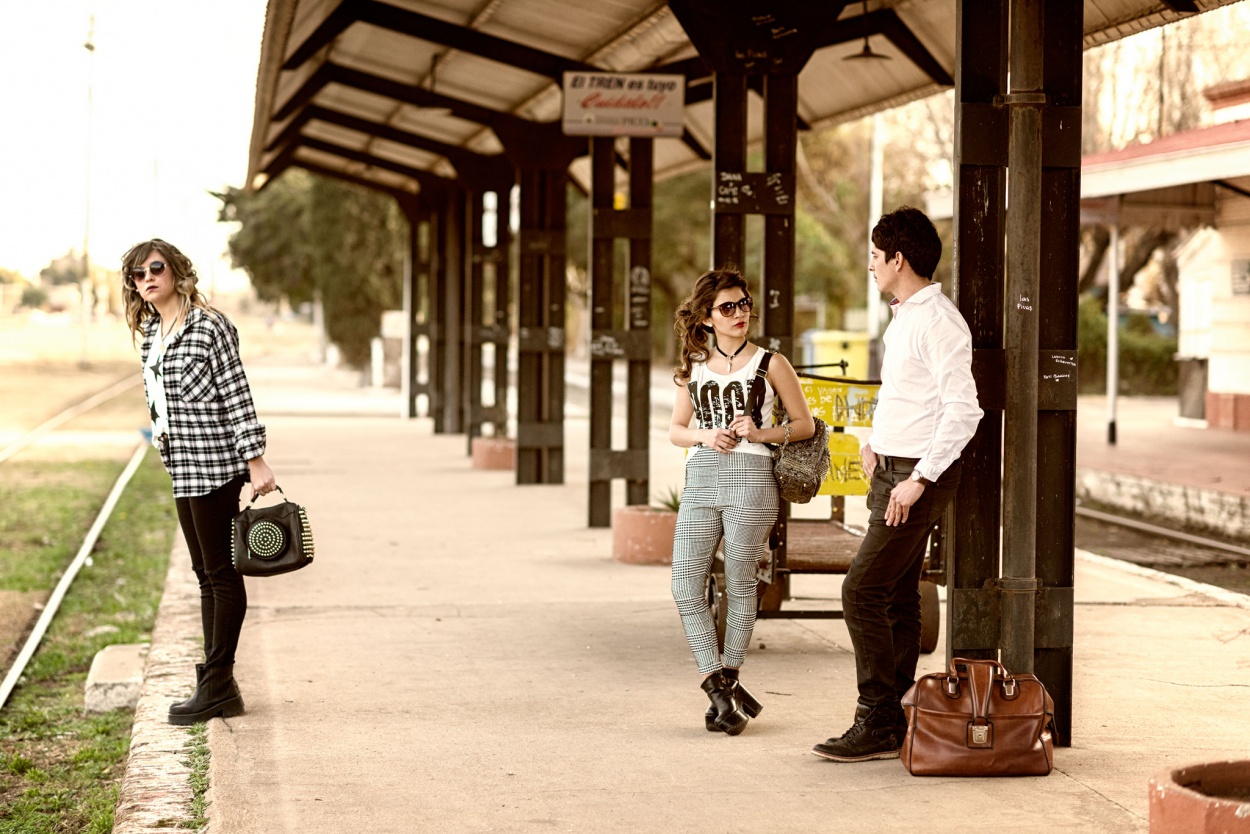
(256, 495)
(981, 679)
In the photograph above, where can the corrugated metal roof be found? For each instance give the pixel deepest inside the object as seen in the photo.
(322, 54)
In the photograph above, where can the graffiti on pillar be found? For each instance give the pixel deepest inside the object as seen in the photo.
(774, 299)
(639, 297)
(1025, 303)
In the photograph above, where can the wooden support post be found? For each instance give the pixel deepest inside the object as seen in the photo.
(730, 162)
(602, 246)
(452, 275)
(970, 540)
(638, 385)
(540, 337)
(418, 298)
(1056, 419)
(619, 330)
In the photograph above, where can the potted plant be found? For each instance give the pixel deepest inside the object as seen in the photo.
(642, 534)
(1204, 797)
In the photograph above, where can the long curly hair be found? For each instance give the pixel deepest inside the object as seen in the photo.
(693, 336)
(137, 310)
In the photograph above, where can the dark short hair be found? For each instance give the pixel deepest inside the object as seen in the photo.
(910, 231)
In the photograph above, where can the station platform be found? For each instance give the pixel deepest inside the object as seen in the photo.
(464, 655)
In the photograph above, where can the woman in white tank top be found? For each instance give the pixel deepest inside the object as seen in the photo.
(730, 491)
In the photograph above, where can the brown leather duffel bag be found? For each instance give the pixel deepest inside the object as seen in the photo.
(978, 719)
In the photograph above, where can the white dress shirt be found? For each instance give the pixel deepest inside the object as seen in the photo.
(927, 406)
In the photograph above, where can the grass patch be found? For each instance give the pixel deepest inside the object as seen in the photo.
(197, 760)
(59, 765)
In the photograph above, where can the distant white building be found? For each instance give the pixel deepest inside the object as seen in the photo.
(1197, 179)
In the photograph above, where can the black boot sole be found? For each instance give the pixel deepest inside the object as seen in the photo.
(866, 757)
(752, 710)
(226, 709)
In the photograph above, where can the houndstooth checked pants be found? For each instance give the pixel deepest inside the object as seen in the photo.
(734, 496)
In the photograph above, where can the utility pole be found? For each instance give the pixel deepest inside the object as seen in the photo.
(86, 290)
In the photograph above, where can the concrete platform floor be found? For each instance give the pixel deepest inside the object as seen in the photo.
(465, 656)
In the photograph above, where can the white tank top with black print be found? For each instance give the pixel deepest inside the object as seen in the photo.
(719, 398)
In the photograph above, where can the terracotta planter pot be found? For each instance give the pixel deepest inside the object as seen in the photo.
(643, 535)
(494, 453)
(1201, 798)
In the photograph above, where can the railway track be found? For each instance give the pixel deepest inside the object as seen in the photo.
(29, 623)
(1200, 557)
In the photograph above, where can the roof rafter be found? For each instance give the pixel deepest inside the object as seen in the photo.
(417, 25)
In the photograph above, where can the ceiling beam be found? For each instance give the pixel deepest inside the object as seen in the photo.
(434, 30)
(360, 156)
(330, 73)
(322, 170)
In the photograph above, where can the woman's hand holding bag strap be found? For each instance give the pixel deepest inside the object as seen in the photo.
(267, 541)
(800, 466)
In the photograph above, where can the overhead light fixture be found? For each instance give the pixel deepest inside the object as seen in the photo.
(866, 52)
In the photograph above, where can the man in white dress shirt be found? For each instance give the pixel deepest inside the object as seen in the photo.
(926, 413)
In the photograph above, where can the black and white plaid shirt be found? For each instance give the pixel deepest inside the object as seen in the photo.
(213, 428)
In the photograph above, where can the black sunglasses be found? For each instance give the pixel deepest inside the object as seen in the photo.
(727, 309)
(139, 273)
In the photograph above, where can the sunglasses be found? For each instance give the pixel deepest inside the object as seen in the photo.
(139, 273)
(729, 307)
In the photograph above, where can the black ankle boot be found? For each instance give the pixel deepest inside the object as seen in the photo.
(861, 715)
(750, 704)
(199, 677)
(216, 695)
(877, 736)
(730, 719)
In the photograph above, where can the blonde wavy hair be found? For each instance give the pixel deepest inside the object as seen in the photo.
(693, 336)
(138, 311)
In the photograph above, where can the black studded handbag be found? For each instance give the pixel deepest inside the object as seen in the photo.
(268, 541)
(800, 466)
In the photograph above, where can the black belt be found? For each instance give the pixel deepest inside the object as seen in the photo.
(892, 463)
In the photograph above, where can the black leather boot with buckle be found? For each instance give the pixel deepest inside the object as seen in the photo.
(750, 705)
(730, 718)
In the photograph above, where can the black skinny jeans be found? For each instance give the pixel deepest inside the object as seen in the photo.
(205, 521)
(881, 592)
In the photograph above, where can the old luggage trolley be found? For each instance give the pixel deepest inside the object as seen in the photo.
(827, 546)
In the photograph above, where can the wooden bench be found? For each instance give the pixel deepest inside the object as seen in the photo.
(816, 547)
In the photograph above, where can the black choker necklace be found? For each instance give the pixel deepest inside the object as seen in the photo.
(730, 356)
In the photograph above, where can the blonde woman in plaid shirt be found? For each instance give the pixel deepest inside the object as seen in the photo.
(205, 426)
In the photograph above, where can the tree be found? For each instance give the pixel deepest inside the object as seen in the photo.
(305, 237)
(66, 269)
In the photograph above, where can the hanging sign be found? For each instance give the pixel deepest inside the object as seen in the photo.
(623, 104)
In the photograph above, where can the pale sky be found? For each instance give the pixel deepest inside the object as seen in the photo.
(173, 87)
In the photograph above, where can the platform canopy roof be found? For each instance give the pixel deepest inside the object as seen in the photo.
(390, 93)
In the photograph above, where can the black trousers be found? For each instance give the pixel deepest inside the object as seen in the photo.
(205, 521)
(881, 592)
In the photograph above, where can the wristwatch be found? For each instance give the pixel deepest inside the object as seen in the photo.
(920, 479)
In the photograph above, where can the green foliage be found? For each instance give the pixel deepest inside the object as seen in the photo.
(197, 761)
(306, 236)
(670, 499)
(34, 297)
(1147, 363)
(59, 766)
(64, 270)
